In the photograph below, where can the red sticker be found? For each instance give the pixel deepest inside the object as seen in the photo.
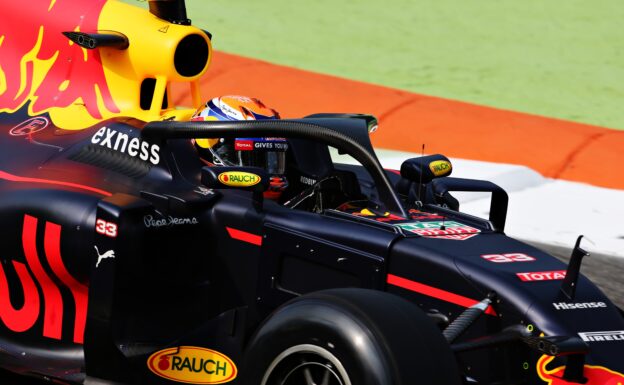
(508, 258)
(542, 276)
(440, 229)
(244, 145)
(106, 228)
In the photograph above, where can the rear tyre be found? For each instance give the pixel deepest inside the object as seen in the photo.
(349, 337)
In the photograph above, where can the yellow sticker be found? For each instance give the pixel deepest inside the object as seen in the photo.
(440, 167)
(367, 212)
(192, 365)
(239, 179)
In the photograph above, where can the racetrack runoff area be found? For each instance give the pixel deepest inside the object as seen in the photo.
(557, 58)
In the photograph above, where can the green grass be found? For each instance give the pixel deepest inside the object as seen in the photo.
(557, 58)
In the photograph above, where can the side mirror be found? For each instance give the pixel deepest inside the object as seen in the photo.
(426, 168)
(498, 202)
(242, 178)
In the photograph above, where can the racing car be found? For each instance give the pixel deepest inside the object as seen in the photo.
(127, 258)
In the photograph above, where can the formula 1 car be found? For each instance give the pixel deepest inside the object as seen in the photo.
(127, 260)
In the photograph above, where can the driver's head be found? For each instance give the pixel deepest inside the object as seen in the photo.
(266, 153)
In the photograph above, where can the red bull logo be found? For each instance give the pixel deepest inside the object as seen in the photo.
(596, 375)
(41, 66)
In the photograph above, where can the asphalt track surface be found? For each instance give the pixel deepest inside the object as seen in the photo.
(603, 270)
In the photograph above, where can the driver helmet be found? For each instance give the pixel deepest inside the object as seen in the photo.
(266, 153)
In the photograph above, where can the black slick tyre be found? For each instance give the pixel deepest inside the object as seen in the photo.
(349, 337)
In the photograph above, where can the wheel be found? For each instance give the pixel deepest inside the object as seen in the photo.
(306, 364)
(349, 337)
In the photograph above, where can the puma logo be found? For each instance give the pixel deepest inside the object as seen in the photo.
(108, 254)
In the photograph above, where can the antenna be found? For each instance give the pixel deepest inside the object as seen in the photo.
(422, 153)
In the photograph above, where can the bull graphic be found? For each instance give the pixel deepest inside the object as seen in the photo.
(596, 375)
